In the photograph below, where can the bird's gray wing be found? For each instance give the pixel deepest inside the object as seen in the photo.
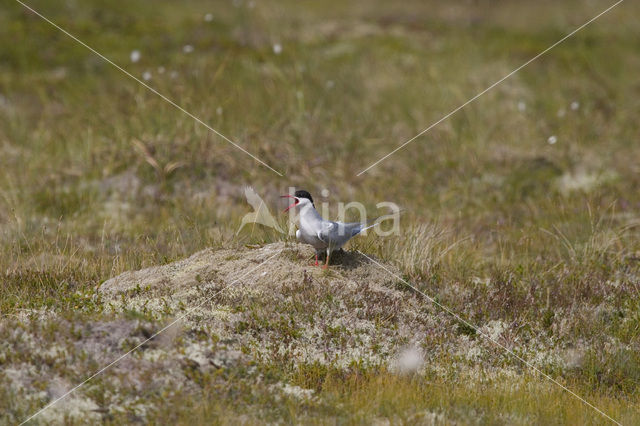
(354, 228)
(327, 231)
(336, 234)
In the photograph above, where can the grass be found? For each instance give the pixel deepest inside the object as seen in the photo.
(355, 398)
(99, 176)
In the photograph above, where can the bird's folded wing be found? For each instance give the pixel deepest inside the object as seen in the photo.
(353, 228)
(324, 234)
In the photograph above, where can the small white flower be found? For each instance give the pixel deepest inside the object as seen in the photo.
(161, 70)
(251, 4)
(208, 17)
(299, 94)
(277, 48)
(187, 48)
(522, 107)
(219, 110)
(552, 139)
(575, 105)
(173, 74)
(330, 84)
(135, 56)
(562, 112)
(146, 76)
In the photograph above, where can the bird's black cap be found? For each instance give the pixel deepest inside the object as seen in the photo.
(304, 194)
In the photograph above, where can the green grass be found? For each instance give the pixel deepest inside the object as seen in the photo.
(356, 398)
(99, 176)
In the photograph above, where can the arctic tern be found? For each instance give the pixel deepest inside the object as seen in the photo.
(323, 235)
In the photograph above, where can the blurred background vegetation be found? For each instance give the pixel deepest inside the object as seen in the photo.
(534, 186)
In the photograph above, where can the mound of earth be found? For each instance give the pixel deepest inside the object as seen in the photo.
(272, 303)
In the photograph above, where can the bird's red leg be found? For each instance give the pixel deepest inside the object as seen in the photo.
(316, 259)
(326, 265)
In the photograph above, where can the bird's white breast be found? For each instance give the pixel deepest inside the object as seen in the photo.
(309, 238)
(310, 225)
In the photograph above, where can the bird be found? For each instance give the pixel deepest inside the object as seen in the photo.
(323, 235)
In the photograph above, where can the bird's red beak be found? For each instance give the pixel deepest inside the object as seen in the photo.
(292, 205)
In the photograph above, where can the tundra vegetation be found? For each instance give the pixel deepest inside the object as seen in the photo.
(522, 212)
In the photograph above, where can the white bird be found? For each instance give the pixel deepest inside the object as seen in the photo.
(323, 235)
